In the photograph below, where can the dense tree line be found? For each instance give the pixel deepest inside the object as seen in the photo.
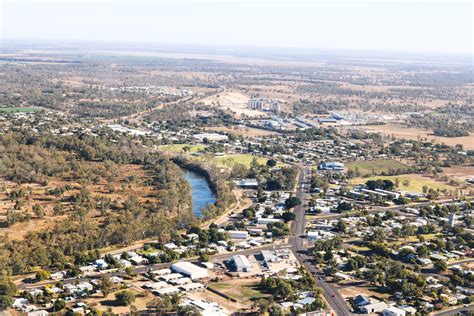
(126, 222)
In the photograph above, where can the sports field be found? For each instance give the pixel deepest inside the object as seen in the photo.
(415, 182)
(245, 159)
(375, 166)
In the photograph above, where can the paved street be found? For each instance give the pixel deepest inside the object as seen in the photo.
(143, 269)
(298, 225)
(456, 311)
(296, 240)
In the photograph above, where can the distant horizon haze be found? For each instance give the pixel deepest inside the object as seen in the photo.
(438, 27)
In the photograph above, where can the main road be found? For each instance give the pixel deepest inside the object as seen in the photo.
(296, 240)
(298, 225)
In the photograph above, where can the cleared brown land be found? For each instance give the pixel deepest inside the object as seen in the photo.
(128, 183)
(401, 131)
(459, 172)
(104, 303)
(234, 101)
(244, 131)
(353, 291)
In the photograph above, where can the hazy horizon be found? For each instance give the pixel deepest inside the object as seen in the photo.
(440, 27)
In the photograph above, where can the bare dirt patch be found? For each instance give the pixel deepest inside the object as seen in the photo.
(459, 172)
(234, 101)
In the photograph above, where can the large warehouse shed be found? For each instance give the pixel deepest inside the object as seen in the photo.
(189, 269)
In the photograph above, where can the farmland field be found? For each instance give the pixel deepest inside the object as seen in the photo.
(367, 168)
(416, 182)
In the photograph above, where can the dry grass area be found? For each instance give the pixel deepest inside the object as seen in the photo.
(234, 101)
(231, 307)
(401, 131)
(243, 202)
(104, 303)
(129, 182)
(352, 291)
(460, 173)
(244, 131)
(245, 291)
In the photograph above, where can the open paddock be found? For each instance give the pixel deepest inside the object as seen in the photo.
(459, 173)
(411, 133)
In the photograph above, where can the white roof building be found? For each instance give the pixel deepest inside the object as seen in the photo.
(87, 269)
(207, 308)
(58, 275)
(238, 234)
(85, 286)
(266, 220)
(172, 276)
(161, 272)
(166, 290)
(19, 302)
(408, 309)
(189, 269)
(245, 183)
(241, 263)
(192, 286)
(155, 285)
(393, 311)
(181, 281)
(213, 137)
(138, 260)
(374, 307)
(35, 292)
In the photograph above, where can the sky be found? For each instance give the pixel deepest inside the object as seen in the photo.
(431, 26)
